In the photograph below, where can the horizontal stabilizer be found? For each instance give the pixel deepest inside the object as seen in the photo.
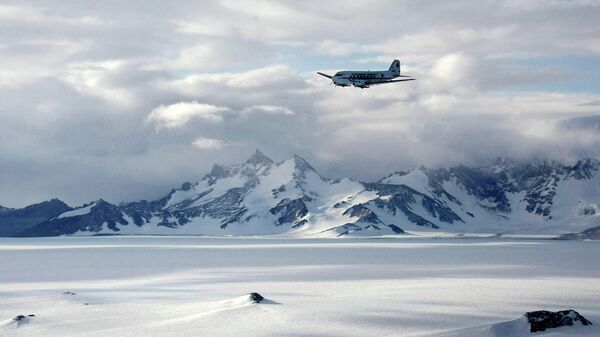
(328, 76)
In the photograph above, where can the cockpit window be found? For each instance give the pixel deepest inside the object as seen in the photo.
(339, 73)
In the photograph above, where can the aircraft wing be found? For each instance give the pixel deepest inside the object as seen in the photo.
(328, 76)
(392, 81)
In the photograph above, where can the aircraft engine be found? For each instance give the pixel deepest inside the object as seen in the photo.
(360, 83)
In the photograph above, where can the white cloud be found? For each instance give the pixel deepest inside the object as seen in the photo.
(453, 68)
(204, 143)
(32, 14)
(178, 114)
(267, 110)
(273, 77)
(96, 79)
(260, 77)
(337, 48)
(219, 53)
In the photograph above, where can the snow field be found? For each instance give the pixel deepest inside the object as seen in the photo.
(196, 286)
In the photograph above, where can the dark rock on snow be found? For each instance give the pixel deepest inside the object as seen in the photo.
(256, 297)
(542, 320)
(19, 318)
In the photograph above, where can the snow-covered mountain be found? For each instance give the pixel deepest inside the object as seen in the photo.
(261, 197)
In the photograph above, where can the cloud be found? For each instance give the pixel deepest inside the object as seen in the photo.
(33, 14)
(593, 103)
(178, 114)
(337, 48)
(84, 88)
(212, 54)
(266, 109)
(97, 79)
(204, 143)
(260, 77)
(273, 77)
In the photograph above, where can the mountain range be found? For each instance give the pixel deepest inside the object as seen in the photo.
(262, 197)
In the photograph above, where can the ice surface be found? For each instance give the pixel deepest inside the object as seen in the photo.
(198, 286)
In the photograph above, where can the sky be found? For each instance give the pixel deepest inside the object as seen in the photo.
(124, 100)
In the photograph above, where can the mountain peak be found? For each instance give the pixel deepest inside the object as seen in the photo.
(584, 168)
(588, 161)
(57, 201)
(259, 158)
(302, 164)
(500, 164)
(100, 202)
(219, 171)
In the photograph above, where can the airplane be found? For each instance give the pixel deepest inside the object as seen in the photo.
(365, 79)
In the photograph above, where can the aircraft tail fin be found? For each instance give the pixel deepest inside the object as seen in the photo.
(395, 67)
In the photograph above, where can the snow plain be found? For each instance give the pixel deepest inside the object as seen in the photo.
(195, 286)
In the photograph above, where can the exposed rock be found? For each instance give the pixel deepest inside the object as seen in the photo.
(100, 213)
(186, 186)
(484, 183)
(19, 318)
(344, 229)
(300, 223)
(542, 320)
(396, 229)
(22, 319)
(256, 297)
(13, 221)
(363, 214)
(402, 199)
(290, 210)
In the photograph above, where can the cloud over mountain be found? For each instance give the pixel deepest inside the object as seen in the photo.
(84, 88)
